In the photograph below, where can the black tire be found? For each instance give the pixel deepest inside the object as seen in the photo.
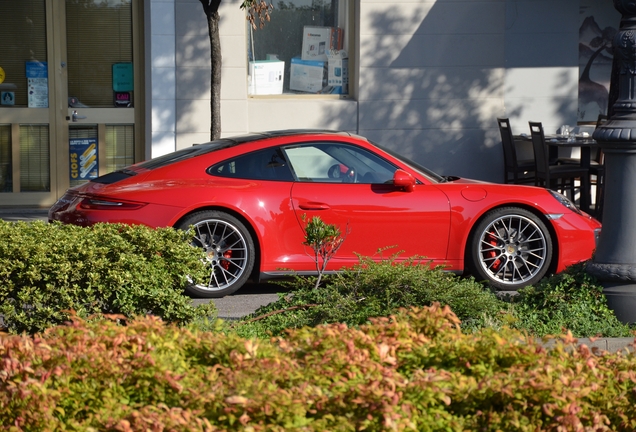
(510, 248)
(229, 248)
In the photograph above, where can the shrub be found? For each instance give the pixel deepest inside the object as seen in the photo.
(325, 240)
(373, 289)
(415, 370)
(571, 300)
(47, 270)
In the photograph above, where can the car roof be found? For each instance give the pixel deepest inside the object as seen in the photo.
(203, 148)
(253, 136)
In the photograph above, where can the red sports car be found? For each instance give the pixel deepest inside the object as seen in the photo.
(248, 196)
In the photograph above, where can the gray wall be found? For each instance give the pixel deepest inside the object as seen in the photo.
(432, 76)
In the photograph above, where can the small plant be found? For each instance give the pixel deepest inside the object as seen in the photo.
(325, 240)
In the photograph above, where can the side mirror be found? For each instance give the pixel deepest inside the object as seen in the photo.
(404, 180)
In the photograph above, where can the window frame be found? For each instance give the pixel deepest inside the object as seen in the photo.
(281, 173)
(349, 162)
(347, 9)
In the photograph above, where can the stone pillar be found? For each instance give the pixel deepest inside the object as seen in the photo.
(614, 262)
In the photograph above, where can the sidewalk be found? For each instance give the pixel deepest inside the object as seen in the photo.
(14, 214)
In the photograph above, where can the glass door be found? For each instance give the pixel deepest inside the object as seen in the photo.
(71, 94)
(100, 68)
(26, 168)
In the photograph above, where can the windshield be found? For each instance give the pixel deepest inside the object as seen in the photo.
(432, 176)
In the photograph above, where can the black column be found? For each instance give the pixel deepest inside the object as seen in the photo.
(614, 262)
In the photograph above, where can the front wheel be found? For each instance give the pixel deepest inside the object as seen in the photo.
(229, 251)
(511, 248)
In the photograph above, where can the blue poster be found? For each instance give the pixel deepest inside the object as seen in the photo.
(83, 158)
(38, 84)
(36, 69)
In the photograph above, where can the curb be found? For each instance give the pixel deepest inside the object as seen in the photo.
(24, 214)
(611, 345)
(26, 211)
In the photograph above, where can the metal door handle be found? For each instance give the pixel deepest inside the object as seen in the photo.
(76, 116)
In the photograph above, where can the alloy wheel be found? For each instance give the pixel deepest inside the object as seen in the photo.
(226, 252)
(512, 249)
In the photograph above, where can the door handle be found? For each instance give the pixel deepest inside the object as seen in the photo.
(75, 116)
(311, 205)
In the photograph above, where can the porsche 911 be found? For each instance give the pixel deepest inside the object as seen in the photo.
(247, 198)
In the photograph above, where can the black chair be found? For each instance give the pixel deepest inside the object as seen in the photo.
(515, 171)
(552, 176)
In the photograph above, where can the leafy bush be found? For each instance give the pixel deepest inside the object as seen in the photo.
(412, 371)
(373, 289)
(571, 300)
(47, 270)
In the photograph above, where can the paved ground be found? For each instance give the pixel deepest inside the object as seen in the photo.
(246, 301)
(25, 214)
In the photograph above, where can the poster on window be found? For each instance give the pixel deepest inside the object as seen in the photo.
(37, 84)
(83, 158)
(599, 22)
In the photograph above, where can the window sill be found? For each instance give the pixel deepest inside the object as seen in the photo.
(302, 96)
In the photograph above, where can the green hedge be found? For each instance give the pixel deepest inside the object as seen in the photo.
(49, 270)
(415, 370)
(572, 300)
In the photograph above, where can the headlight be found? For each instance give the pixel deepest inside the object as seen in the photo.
(565, 201)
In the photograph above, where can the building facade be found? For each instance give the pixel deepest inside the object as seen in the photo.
(90, 86)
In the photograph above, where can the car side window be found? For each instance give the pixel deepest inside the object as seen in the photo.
(268, 164)
(337, 163)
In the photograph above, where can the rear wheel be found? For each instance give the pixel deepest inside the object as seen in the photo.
(229, 251)
(511, 248)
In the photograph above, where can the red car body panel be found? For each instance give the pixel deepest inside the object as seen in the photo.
(433, 221)
(378, 216)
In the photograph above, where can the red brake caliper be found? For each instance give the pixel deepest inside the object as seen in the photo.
(225, 263)
(493, 254)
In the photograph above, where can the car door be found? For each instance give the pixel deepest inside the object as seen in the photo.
(351, 187)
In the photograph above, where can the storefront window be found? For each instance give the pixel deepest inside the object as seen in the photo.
(35, 173)
(120, 147)
(99, 50)
(6, 172)
(304, 49)
(24, 74)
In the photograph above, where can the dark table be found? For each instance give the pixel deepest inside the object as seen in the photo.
(586, 144)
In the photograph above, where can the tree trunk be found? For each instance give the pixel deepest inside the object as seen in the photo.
(211, 8)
